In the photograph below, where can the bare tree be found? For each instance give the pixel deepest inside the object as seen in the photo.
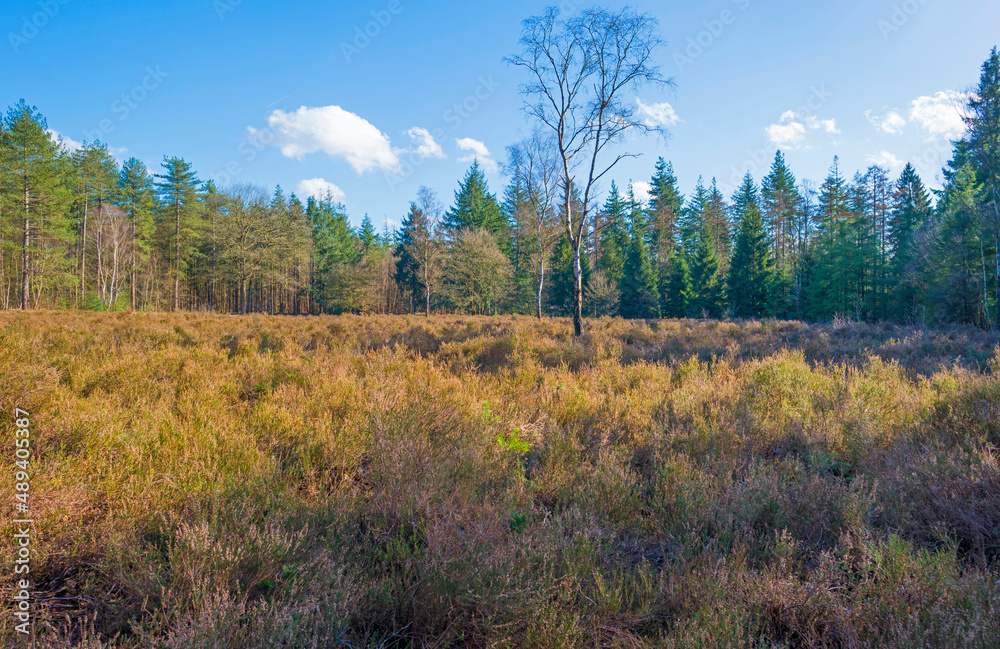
(534, 166)
(421, 249)
(112, 241)
(580, 68)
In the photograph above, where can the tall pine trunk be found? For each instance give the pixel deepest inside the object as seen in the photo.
(83, 249)
(25, 258)
(132, 278)
(177, 255)
(101, 286)
(211, 298)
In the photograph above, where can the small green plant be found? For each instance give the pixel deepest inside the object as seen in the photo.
(517, 522)
(513, 443)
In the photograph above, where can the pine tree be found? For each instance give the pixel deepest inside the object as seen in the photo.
(786, 221)
(214, 203)
(707, 291)
(8, 229)
(873, 201)
(179, 224)
(613, 238)
(910, 212)
(717, 219)
(677, 293)
(958, 289)
(827, 292)
(780, 209)
(136, 196)
(692, 219)
(665, 206)
(751, 270)
(335, 247)
(640, 295)
(367, 235)
(36, 197)
(475, 207)
(519, 210)
(983, 146)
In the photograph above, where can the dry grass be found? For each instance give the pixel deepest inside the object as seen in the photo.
(215, 481)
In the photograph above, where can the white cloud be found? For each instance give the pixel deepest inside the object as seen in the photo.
(940, 114)
(792, 134)
(478, 152)
(477, 147)
(657, 115)
(319, 188)
(792, 129)
(892, 122)
(333, 130)
(66, 142)
(426, 146)
(885, 159)
(828, 125)
(643, 191)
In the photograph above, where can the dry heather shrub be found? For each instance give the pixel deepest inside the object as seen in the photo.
(208, 480)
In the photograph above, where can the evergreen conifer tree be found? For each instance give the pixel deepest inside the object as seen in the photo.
(475, 207)
(751, 270)
(707, 290)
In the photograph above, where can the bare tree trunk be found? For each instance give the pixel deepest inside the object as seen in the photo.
(577, 292)
(541, 285)
(211, 298)
(83, 251)
(427, 293)
(99, 248)
(132, 279)
(177, 256)
(3, 266)
(25, 257)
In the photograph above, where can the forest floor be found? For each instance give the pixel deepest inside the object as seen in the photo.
(261, 481)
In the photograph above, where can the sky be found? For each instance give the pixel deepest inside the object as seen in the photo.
(373, 98)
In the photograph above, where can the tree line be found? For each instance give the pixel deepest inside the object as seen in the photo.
(78, 230)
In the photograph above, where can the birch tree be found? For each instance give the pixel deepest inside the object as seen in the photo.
(580, 70)
(534, 165)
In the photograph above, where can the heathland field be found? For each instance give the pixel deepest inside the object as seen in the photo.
(221, 481)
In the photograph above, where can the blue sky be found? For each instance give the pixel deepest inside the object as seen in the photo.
(289, 93)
